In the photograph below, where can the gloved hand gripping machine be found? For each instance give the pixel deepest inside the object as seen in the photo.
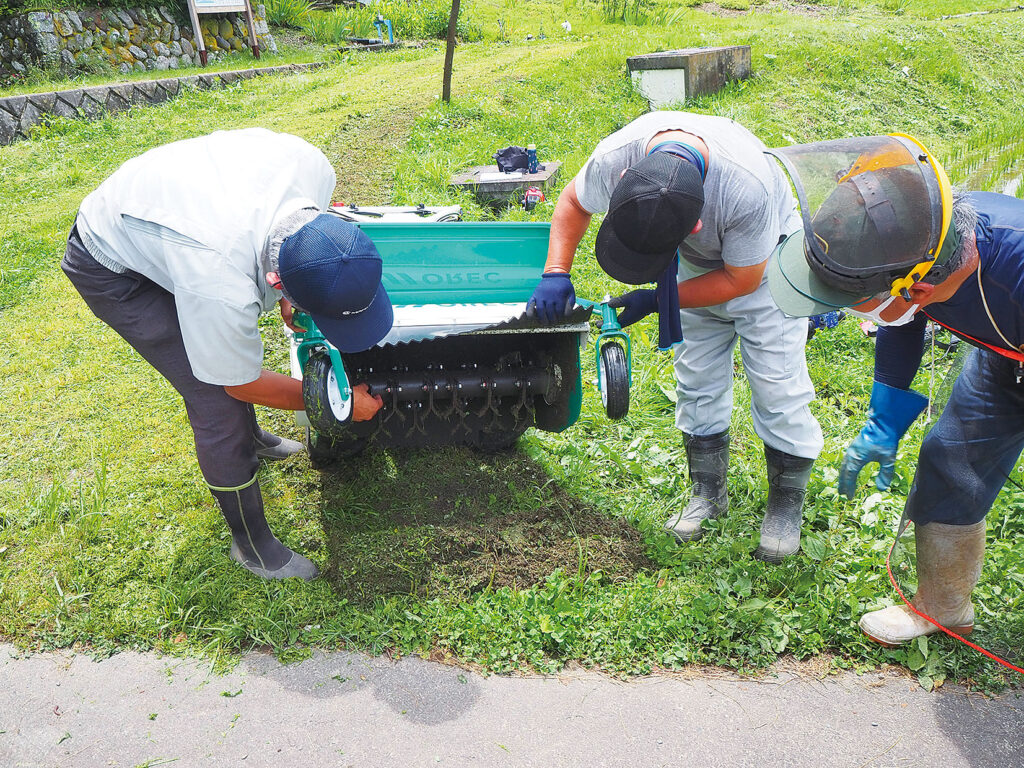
(464, 362)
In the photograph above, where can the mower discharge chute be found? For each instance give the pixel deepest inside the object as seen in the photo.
(463, 363)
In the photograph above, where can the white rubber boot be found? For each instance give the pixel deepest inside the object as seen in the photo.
(949, 561)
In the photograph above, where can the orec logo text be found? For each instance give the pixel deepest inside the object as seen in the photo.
(401, 279)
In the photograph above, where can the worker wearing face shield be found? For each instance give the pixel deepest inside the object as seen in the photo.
(885, 235)
(182, 249)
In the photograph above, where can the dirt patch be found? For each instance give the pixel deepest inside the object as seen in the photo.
(455, 522)
(716, 10)
(801, 9)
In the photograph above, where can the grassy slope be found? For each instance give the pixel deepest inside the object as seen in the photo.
(107, 536)
(42, 81)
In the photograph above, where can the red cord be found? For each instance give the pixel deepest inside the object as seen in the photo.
(930, 620)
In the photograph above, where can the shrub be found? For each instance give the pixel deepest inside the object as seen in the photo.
(287, 13)
(338, 25)
(628, 11)
(416, 19)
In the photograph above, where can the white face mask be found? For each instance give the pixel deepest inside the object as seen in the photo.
(874, 315)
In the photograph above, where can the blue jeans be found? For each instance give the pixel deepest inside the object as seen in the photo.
(969, 453)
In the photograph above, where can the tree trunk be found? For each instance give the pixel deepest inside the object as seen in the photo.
(449, 53)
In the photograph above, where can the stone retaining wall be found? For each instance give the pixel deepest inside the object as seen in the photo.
(134, 39)
(18, 114)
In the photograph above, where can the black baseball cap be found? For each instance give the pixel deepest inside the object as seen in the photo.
(332, 270)
(655, 205)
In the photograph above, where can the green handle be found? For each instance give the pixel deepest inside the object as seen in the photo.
(610, 329)
(311, 339)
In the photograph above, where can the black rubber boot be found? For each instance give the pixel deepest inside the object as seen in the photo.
(707, 459)
(253, 545)
(787, 483)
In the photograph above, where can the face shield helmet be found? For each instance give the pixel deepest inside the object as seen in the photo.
(877, 218)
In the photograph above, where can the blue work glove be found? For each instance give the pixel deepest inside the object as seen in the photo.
(635, 305)
(553, 298)
(892, 412)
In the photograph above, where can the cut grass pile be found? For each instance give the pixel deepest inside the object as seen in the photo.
(551, 554)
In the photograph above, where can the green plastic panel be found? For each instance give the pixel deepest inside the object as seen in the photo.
(460, 262)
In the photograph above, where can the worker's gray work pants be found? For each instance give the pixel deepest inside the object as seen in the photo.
(143, 313)
(772, 348)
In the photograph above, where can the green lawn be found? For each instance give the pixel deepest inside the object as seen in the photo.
(552, 553)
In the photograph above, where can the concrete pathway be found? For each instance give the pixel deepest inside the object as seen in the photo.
(344, 709)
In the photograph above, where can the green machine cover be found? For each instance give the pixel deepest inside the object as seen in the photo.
(460, 262)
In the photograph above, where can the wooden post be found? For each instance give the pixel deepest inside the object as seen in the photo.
(196, 7)
(197, 30)
(253, 41)
(449, 53)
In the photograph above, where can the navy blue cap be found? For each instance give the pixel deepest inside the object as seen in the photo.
(332, 270)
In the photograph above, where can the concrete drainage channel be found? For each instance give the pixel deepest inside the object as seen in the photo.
(18, 114)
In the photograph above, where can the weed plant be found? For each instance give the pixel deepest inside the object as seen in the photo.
(288, 13)
(108, 538)
(418, 20)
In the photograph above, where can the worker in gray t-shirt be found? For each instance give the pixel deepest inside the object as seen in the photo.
(698, 191)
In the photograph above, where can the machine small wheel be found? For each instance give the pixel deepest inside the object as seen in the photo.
(324, 406)
(614, 377)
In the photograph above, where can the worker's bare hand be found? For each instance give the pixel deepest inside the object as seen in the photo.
(364, 405)
(287, 313)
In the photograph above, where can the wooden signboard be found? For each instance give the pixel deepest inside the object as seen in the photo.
(195, 7)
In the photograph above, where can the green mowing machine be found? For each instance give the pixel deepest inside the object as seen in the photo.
(464, 363)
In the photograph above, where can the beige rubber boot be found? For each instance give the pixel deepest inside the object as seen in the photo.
(949, 561)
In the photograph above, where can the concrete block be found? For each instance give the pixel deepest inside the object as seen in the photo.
(670, 77)
(30, 117)
(92, 105)
(144, 92)
(9, 125)
(170, 85)
(504, 191)
(62, 108)
(42, 101)
(118, 98)
(14, 104)
(72, 98)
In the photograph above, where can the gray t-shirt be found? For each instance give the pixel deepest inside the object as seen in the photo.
(748, 204)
